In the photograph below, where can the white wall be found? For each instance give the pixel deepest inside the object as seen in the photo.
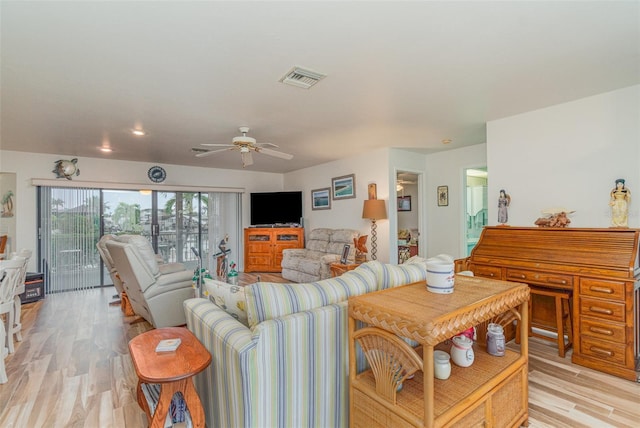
(446, 225)
(369, 167)
(32, 165)
(567, 155)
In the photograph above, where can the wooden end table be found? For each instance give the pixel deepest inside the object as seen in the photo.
(338, 269)
(171, 370)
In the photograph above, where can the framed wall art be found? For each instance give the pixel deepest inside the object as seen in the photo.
(404, 203)
(345, 254)
(321, 199)
(443, 196)
(344, 187)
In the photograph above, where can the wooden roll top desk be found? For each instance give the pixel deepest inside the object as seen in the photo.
(600, 266)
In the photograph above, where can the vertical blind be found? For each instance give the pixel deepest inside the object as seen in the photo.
(69, 230)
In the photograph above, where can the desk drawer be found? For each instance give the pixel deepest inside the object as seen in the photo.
(611, 352)
(602, 330)
(494, 272)
(610, 290)
(552, 280)
(602, 309)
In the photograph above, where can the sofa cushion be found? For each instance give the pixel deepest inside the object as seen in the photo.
(318, 240)
(389, 276)
(338, 239)
(145, 249)
(310, 263)
(267, 300)
(230, 298)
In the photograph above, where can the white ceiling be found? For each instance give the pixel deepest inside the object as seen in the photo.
(77, 75)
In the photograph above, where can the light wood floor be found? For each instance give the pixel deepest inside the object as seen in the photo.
(73, 370)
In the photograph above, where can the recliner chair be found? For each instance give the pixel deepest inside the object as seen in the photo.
(155, 291)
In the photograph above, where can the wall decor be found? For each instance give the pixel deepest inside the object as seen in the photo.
(373, 191)
(321, 199)
(157, 174)
(443, 196)
(404, 203)
(66, 168)
(344, 187)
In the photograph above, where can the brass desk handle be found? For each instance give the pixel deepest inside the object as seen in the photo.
(601, 289)
(601, 331)
(601, 351)
(601, 310)
(521, 276)
(558, 281)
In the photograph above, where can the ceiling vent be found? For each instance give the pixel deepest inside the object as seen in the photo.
(302, 78)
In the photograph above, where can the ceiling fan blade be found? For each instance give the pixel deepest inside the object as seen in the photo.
(216, 145)
(247, 159)
(210, 152)
(274, 153)
(266, 144)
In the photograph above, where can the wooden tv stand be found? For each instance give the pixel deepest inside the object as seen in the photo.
(263, 247)
(600, 267)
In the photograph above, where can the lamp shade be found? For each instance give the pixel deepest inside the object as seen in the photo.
(374, 209)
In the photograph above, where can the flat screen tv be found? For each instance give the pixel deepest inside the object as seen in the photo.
(271, 208)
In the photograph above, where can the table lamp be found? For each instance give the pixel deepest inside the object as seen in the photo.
(374, 209)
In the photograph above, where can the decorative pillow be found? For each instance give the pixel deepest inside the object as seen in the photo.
(230, 298)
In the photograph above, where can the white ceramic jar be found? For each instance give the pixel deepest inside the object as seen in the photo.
(441, 365)
(462, 351)
(495, 340)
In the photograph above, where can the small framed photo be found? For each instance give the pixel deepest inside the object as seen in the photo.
(443, 196)
(404, 203)
(344, 187)
(321, 199)
(373, 191)
(345, 254)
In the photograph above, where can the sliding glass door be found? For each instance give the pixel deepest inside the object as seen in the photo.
(72, 220)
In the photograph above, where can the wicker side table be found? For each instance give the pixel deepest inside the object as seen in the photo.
(493, 390)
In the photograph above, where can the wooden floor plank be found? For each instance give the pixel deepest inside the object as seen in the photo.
(73, 369)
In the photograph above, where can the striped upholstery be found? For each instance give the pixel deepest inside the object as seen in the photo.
(267, 301)
(389, 276)
(290, 368)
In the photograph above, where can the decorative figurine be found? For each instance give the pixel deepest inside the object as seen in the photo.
(66, 168)
(361, 248)
(503, 207)
(555, 217)
(619, 202)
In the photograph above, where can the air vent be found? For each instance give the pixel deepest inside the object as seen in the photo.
(302, 78)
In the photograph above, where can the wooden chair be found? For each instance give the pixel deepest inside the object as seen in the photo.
(3, 246)
(562, 308)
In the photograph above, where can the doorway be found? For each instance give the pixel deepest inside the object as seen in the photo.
(476, 206)
(408, 218)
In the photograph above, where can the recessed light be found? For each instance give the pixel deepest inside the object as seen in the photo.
(446, 141)
(138, 132)
(105, 149)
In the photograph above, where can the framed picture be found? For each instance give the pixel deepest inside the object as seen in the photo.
(443, 196)
(344, 187)
(404, 203)
(345, 254)
(321, 199)
(373, 191)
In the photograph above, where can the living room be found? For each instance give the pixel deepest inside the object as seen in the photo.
(564, 149)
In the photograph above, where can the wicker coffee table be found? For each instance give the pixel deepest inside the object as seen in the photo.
(493, 390)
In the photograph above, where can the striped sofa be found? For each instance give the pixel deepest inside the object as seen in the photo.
(289, 366)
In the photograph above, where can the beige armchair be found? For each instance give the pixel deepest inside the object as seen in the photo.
(323, 247)
(155, 291)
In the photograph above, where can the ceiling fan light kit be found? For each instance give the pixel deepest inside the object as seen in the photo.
(245, 145)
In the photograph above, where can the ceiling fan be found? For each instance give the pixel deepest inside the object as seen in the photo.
(245, 145)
